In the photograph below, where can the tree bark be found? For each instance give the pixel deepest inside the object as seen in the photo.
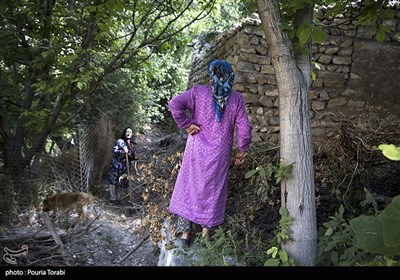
(293, 79)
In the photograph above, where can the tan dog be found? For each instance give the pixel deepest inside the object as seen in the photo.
(78, 201)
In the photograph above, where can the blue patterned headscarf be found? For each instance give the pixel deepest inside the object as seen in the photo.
(222, 76)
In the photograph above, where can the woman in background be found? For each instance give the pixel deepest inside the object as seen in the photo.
(119, 164)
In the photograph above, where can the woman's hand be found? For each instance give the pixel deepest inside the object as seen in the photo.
(193, 129)
(239, 158)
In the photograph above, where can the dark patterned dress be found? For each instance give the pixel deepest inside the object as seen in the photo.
(118, 164)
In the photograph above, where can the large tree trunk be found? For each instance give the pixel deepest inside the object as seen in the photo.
(293, 80)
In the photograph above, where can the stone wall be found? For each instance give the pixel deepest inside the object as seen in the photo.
(357, 73)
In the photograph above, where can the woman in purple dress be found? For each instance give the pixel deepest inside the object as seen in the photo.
(200, 190)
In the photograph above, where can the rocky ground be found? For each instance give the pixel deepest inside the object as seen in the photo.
(116, 240)
(111, 239)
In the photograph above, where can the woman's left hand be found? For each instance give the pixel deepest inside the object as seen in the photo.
(239, 157)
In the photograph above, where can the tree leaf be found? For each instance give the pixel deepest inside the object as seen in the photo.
(334, 257)
(66, 59)
(329, 231)
(369, 235)
(283, 256)
(79, 85)
(250, 173)
(390, 151)
(271, 262)
(262, 172)
(390, 220)
(304, 35)
(318, 35)
(380, 36)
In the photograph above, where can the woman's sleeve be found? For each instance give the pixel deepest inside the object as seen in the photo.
(243, 126)
(119, 146)
(179, 105)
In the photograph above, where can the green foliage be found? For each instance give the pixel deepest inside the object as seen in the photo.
(266, 172)
(224, 16)
(372, 15)
(301, 34)
(336, 243)
(64, 60)
(370, 199)
(309, 31)
(277, 255)
(225, 248)
(369, 13)
(365, 240)
(269, 176)
(315, 65)
(389, 219)
(282, 234)
(381, 234)
(283, 172)
(221, 249)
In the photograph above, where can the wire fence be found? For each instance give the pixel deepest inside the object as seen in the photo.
(85, 162)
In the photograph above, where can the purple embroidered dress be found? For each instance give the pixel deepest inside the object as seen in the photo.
(201, 186)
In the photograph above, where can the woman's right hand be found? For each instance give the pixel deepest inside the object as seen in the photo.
(193, 129)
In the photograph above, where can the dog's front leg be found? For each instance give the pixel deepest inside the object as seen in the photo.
(67, 218)
(54, 215)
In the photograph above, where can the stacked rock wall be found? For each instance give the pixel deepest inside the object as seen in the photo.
(356, 73)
